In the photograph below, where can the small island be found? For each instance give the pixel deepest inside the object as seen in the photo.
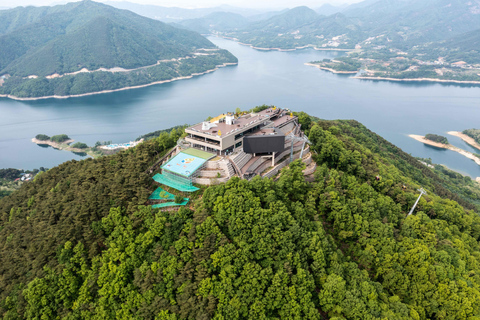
(436, 138)
(64, 142)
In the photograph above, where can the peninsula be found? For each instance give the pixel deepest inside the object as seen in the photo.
(464, 153)
(330, 69)
(400, 70)
(469, 140)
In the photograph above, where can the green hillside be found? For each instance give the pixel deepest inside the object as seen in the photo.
(79, 242)
(414, 21)
(419, 27)
(286, 21)
(65, 39)
(300, 27)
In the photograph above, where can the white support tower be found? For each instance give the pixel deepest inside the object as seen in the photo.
(304, 139)
(422, 192)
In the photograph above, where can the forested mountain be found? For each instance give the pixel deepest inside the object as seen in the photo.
(414, 21)
(46, 41)
(399, 24)
(469, 41)
(328, 9)
(286, 21)
(463, 47)
(219, 21)
(176, 14)
(87, 34)
(80, 243)
(300, 27)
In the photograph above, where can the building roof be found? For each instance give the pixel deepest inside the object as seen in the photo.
(218, 118)
(185, 163)
(222, 129)
(266, 132)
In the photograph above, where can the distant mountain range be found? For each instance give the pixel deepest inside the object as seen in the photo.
(297, 27)
(328, 9)
(393, 23)
(42, 46)
(176, 14)
(215, 21)
(418, 21)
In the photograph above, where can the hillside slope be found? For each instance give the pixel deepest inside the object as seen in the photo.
(399, 24)
(79, 242)
(299, 27)
(414, 21)
(217, 21)
(57, 41)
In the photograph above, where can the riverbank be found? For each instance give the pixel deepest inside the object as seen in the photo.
(464, 153)
(416, 80)
(329, 69)
(119, 89)
(464, 137)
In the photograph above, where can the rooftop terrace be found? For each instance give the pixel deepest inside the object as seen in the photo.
(223, 129)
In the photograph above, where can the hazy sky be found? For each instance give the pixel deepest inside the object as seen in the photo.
(197, 3)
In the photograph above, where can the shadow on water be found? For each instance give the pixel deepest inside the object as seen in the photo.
(436, 148)
(80, 154)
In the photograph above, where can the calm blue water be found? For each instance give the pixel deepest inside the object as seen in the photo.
(392, 110)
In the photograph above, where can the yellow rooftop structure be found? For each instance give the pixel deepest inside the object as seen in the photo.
(216, 119)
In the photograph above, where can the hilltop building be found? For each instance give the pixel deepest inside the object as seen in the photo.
(243, 145)
(224, 134)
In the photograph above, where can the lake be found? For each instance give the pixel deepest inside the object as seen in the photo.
(393, 110)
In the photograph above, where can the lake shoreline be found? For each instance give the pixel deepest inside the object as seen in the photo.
(119, 89)
(416, 80)
(464, 153)
(469, 140)
(280, 49)
(329, 69)
(396, 79)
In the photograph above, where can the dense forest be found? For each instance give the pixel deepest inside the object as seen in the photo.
(86, 34)
(81, 242)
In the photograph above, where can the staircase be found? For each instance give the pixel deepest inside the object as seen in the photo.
(241, 159)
